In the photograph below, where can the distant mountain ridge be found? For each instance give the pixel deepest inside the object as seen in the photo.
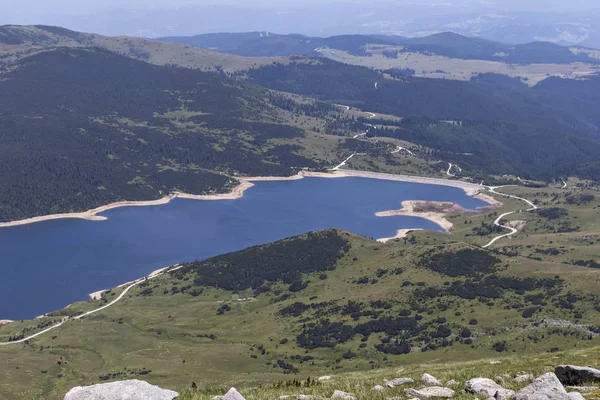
(263, 44)
(17, 42)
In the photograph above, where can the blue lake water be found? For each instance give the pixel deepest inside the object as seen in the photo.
(48, 265)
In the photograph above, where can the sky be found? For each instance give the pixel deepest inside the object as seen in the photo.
(154, 18)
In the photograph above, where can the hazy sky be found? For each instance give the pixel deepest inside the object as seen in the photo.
(23, 8)
(154, 18)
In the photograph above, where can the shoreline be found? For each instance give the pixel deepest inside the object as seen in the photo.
(433, 211)
(436, 214)
(98, 294)
(246, 183)
(4, 322)
(402, 233)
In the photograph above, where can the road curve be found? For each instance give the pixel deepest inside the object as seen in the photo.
(512, 230)
(127, 289)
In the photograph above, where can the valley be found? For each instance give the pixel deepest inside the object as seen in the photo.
(461, 233)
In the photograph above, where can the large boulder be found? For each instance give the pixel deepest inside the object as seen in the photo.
(576, 396)
(574, 375)
(233, 394)
(487, 388)
(398, 382)
(338, 394)
(434, 392)
(125, 390)
(427, 379)
(546, 387)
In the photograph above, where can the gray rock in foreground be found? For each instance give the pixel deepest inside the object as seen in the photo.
(427, 379)
(398, 382)
(574, 375)
(125, 390)
(488, 388)
(233, 394)
(546, 387)
(338, 394)
(433, 392)
(576, 396)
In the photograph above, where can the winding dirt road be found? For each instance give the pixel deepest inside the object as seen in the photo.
(64, 320)
(512, 230)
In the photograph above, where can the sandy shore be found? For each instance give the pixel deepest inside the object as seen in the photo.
(246, 183)
(5, 322)
(433, 211)
(402, 233)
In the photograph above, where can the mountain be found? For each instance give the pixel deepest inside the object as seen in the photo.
(266, 44)
(137, 131)
(20, 41)
(539, 131)
(86, 127)
(448, 44)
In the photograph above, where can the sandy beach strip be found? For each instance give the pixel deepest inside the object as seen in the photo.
(5, 322)
(246, 183)
(410, 208)
(402, 233)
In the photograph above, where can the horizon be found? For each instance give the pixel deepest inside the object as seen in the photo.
(154, 19)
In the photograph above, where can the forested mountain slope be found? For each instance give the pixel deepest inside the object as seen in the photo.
(19, 41)
(543, 131)
(448, 44)
(82, 128)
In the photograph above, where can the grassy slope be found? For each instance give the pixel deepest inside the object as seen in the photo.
(160, 332)
(501, 369)
(19, 41)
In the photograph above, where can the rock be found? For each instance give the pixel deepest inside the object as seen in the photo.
(451, 383)
(524, 378)
(233, 394)
(576, 396)
(546, 387)
(398, 382)
(573, 375)
(338, 394)
(433, 392)
(427, 379)
(488, 388)
(124, 390)
(378, 388)
(325, 378)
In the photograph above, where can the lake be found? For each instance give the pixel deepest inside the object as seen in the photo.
(48, 265)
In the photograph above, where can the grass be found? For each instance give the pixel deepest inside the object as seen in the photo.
(360, 384)
(164, 334)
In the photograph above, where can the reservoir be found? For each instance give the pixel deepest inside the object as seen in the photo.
(48, 265)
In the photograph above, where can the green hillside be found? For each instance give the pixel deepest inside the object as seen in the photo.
(330, 302)
(83, 128)
(501, 124)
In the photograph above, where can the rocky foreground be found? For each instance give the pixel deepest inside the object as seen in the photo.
(566, 383)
